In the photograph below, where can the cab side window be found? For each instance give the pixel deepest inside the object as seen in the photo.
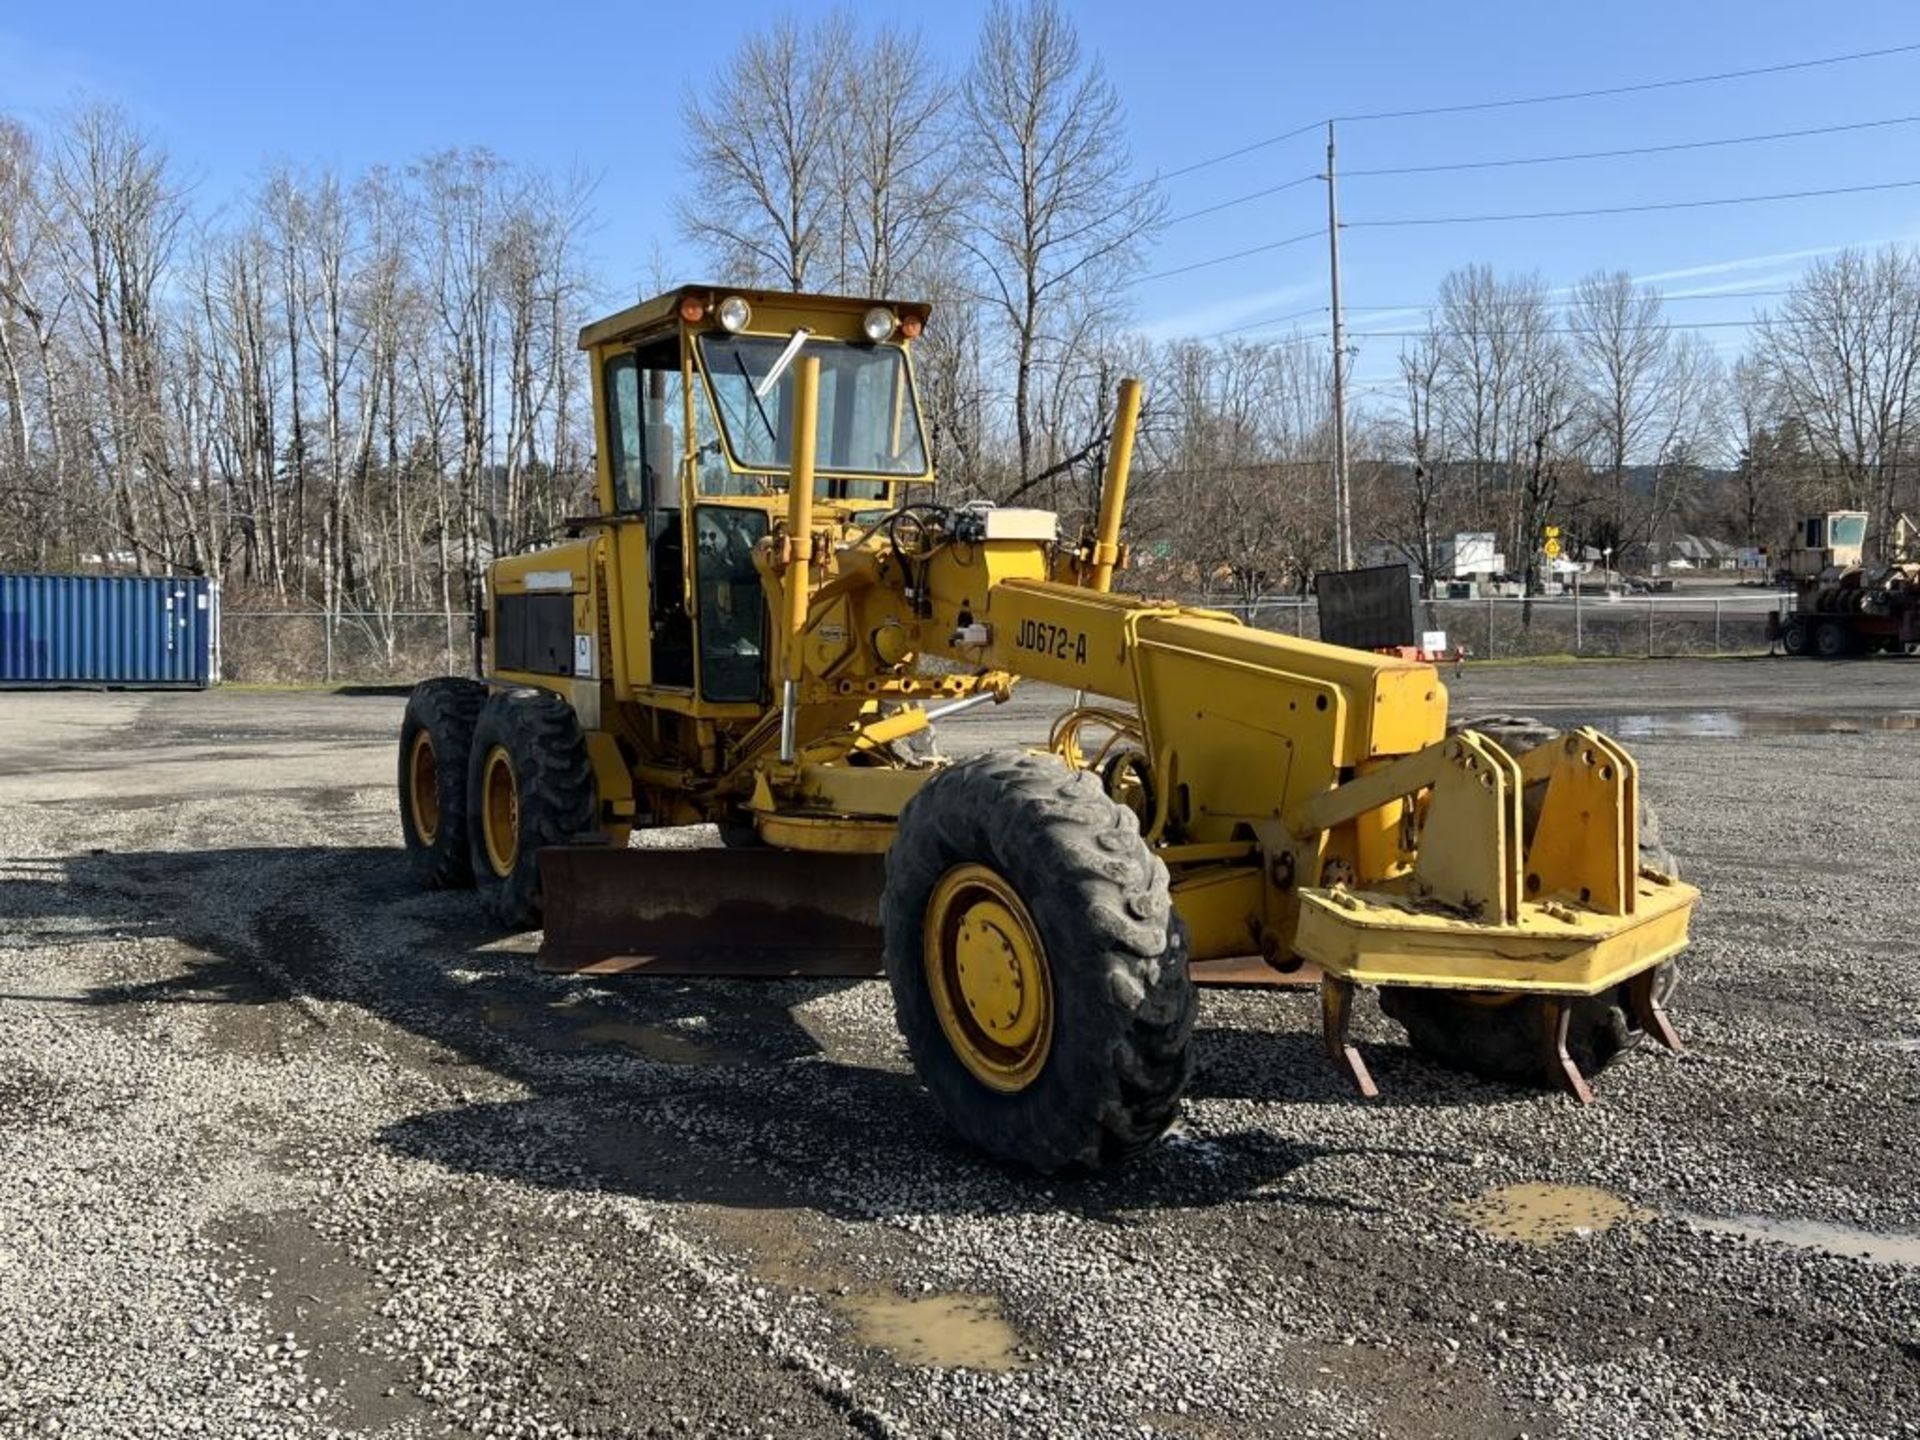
(625, 429)
(644, 414)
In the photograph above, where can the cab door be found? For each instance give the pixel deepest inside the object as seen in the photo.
(641, 390)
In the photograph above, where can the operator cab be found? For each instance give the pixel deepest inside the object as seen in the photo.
(694, 411)
(1835, 540)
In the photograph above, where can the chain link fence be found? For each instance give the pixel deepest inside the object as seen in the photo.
(1616, 626)
(296, 646)
(276, 647)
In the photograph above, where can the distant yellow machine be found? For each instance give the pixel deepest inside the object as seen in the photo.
(761, 627)
(1843, 604)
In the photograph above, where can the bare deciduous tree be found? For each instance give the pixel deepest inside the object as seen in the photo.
(1239, 435)
(761, 151)
(1056, 215)
(1414, 524)
(895, 171)
(1481, 318)
(1842, 353)
(1651, 394)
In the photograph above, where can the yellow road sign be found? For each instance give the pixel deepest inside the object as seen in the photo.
(1552, 547)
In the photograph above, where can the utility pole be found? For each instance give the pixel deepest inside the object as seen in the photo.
(1342, 504)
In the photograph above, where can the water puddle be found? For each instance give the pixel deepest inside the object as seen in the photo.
(955, 1332)
(570, 1025)
(649, 1041)
(1538, 1214)
(1882, 1247)
(1739, 724)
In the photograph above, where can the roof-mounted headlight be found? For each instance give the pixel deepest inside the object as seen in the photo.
(878, 323)
(734, 313)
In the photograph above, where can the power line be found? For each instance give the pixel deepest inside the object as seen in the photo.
(1575, 300)
(1631, 89)
(1269, 320)
(1313, 234)
(1634, 89)
(1236, 154)
(1627, 209)
(1243, 199)
(1633, 150)
(1552, 330)
(1284, 342)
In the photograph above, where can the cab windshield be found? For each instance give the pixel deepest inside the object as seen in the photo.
(868, 422)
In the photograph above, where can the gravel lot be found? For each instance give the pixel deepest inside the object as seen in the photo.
(287, 1148)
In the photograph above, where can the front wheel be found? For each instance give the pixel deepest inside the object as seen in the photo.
(1504, 1037)
(1794, 637)
(1038, 970)
(529, 784)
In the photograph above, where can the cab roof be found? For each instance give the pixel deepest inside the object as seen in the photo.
(662, 312)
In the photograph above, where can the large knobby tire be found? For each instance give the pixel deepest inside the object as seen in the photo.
(435, 739)
(1831, 641)
(529, 784)
(1794, 637)
(1017, 838)
(1503, 1037)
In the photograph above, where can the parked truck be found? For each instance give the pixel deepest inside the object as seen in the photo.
(1843, 604)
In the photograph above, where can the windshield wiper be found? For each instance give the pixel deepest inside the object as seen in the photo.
(782, 361)
(754, 391)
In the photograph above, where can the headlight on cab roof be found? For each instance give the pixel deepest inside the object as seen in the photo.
(878, 323)
(734, 313)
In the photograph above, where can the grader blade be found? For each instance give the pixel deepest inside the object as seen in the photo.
(753, 914)
(747, 914)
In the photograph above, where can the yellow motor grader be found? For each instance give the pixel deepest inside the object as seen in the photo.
(769, 613)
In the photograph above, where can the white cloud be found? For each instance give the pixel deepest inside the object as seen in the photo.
(1359, 325)
(1774, 279)
(1229, 310)
(1750, 262)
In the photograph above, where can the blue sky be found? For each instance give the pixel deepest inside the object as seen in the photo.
(230, 87)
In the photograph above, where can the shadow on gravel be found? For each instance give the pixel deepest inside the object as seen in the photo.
(884, 1154)
(710, 1092)
(38, 905)
(1233, 1063)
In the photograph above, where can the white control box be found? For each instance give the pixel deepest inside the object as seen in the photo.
(1014, 523)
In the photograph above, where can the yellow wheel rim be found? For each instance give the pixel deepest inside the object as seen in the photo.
(423, 786)
(988, 975)
(500, 811)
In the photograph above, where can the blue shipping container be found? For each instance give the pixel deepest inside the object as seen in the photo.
(133, 630)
